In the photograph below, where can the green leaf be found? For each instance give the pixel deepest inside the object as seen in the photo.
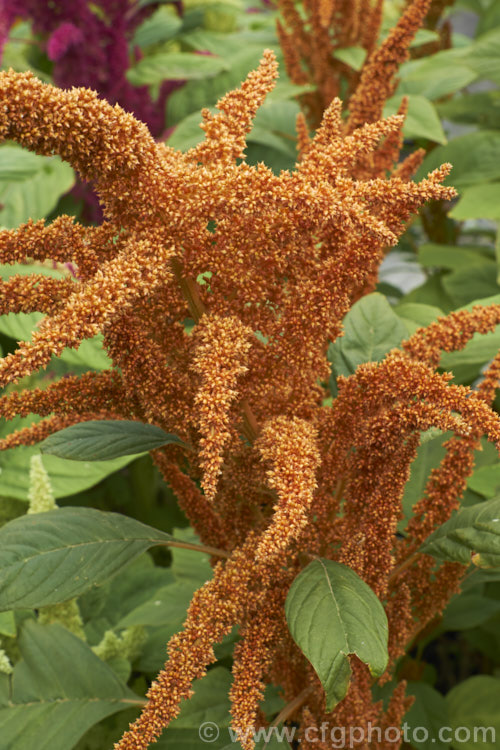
(161, 26)
(481, 108)
(431, 293)
(371, 329)
(473, 531)
(468, 611)
(484, 56)
(489, 18)
(197, 94)
(17, 164)
(107, 439)
(475, 158)
(175, 66)
(90, 355)
(273, 126)
(7, 623)
(453, 257)
(424, 36)
(473, 706)
(352, 56)
(58, 691)
(332, 613)
(429, 457)
(486, 480)
(205, 719)
(477, 352)
(277, 160)
(169, 604)
(66, 477)
(436, 76)
(422, 120)
(473, 283)
(416, 315)
(478, 201)
(188, 132)
(46, 558)
(430, 711)
(186, 566)
(32, 194)
(217, 42)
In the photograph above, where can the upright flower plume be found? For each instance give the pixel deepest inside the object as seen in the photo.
(283, 476)
(313, 44)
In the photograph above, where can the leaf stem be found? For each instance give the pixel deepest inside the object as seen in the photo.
(291, 707)
(198, 548)
(404, 566)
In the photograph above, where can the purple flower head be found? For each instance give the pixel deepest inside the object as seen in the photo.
(62, 39)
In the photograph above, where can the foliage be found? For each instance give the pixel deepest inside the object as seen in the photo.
(318, 511)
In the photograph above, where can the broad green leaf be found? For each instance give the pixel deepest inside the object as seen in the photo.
(478, 201)
(332, 613)
(7, 623)
(278, 116)
(436, 75)
(468, 611)
(161, 26)
(424, 36)
(66, 477)
(431, 293)
(488, 19)
(216, 42)
(188, 132)
(475, 158)
(416, 315)
(36, 194)
(471, 533)
(481, 108)
(477, 352)
(484, 56)
(473, 283)
(106, 439)
(18, 164)
(175, 66)
(352, 56)
(371, 329)
(195, 95)
(473, 706)
(422, 120)
(46, 558)
(105, 607)
(169, 604)
(430, 711)
(429, 456)
(273, 141)
(58, 691)
(452, 257)
(191, 570)
(273, 126)
(187, 566)
(277, 160)
(209, 702)
(90, 355)
(486, 480)
(205, 719)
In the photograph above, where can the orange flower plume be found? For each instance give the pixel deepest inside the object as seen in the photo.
(266, 266)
